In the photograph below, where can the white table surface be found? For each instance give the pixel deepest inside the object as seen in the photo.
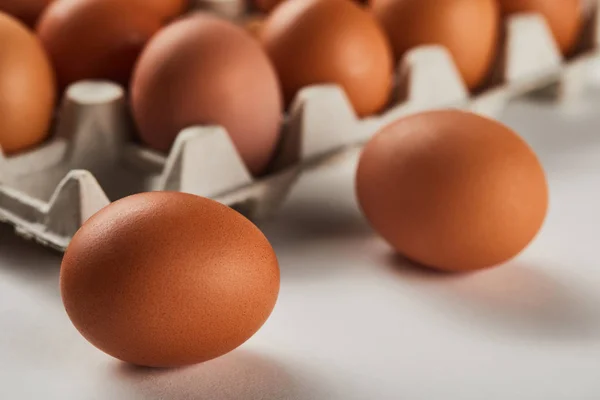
(352, 321)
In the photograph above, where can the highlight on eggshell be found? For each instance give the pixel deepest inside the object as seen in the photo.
(314, 42)
(27, 89)
(452, 190)
(167, 279)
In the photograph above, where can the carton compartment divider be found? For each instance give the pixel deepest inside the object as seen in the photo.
(203, 161)
(532, 49)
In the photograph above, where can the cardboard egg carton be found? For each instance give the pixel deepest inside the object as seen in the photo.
(93, 158)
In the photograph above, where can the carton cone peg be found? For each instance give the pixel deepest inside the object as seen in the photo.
(429, 76)
(530, 48)
(77, 197)
(321, 120)
(203, 161)
(94, 119)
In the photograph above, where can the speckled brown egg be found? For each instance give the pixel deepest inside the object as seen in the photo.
(95, 39)
(27, 91)
(469, 29)
(452, 190)
(202, 70)
(166, 279)
(564, 17)
(27, 11)
(336, 41)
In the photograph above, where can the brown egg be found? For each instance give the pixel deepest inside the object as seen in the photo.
(565, 17)
(27, 91)
(204, 70)
(253, 25)
(269, 5)
(469, 29)
(166, 279)
(164, 9)
(27, 11)
(266, 5)
(335, 41)
(452, 190)
(95, 39)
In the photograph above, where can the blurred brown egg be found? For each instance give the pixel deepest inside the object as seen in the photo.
(469, 29)
(564, 17)
(266, 5)
(254, 25)
(167, 279)
(335, 41)
(164, 9)
(269, 5)
(27, 11)
(95, 39)
(27, 91)
(202, 70)
(452, 190)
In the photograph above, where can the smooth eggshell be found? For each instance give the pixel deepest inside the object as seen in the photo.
(469, 29)
(27, 11)
(269, 5)
(336, 41)
(164, 9)
(452, 190)
(27, 90)
(95, 39)
(266, 5)
(565, 17)
(202, 70)
(253, 25)
(166, 279)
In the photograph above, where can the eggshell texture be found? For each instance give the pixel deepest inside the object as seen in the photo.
(27, 11)
(203, 70)
(335, 41)
(95, 39)
(27, 91)
(452, 190)
(167, 279)
(565, 17)
(469, 29)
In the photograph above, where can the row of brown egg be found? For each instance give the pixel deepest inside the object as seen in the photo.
(202, 70)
